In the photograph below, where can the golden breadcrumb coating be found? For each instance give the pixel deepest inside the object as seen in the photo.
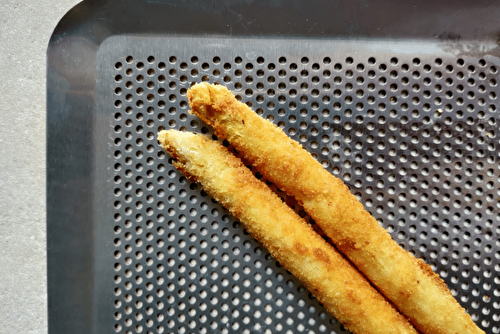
(325, 272)
(408, 282)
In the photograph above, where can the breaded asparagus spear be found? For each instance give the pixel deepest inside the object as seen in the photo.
(408, 282)
(328, 275)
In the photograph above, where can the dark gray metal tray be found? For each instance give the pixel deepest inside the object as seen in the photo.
(399, 99)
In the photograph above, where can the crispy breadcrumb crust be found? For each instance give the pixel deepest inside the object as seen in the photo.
(408, 282)
(325, 272)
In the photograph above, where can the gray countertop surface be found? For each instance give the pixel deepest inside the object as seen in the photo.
(25, 30)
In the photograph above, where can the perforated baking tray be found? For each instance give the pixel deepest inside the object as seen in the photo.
(398, 100)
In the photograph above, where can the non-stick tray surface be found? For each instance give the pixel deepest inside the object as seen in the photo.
(408, 117)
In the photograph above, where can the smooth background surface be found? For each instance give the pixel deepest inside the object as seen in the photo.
(25, 29)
